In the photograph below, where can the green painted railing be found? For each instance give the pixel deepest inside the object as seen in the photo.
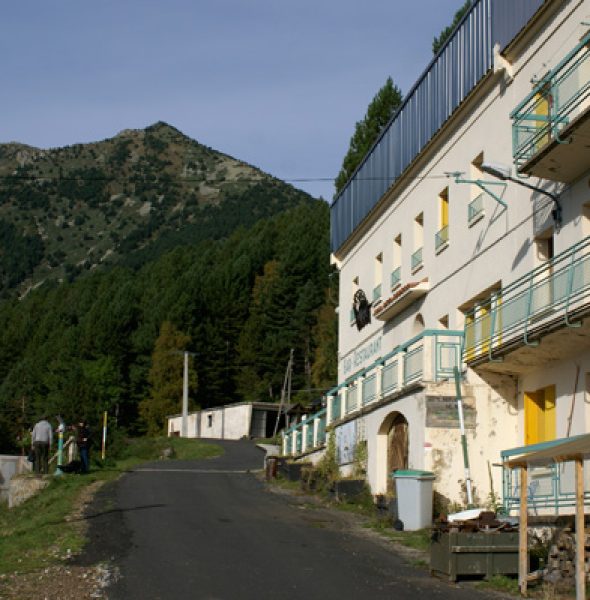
(396, 276)
(416, 259)
(552, 291)
(316, 426)
(369, 388)
(441, 238)
(410, 357)
(549, 487)
(475, 208)
(557, 99)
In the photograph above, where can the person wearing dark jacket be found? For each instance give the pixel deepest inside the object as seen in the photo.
(83, 442)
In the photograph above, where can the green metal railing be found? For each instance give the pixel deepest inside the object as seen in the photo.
(376, 292)
(447, 346)
(297, 431)
(556, 100)
(551, 291)
(475, 208)
(441, 238)
(351, 399)
(416, 259)
(396, 276)
(370, 389)
(549, 487)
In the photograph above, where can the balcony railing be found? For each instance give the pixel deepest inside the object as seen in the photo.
(557, 100)
(475, 209)
(416, 259)
(430, 356)
(440, 239)
(306, 436)
(556, 291)
(396, 276)
(550, 487)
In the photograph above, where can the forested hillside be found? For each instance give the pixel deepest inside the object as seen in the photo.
(124, 200)
(243, 302)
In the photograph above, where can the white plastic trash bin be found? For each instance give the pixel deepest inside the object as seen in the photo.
(414, 498)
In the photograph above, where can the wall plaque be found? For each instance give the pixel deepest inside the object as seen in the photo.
(441, 411)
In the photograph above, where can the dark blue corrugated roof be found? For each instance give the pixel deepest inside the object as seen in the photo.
(450, 77)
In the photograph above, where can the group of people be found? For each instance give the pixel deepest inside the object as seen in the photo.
(42, 442)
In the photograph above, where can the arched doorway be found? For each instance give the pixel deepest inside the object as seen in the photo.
(394, 443)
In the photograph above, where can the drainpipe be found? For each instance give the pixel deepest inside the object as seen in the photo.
(463, 438)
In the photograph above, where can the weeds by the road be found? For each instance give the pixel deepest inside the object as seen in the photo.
(41, 531)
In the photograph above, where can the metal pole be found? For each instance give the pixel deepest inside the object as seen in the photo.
(184, 428)
(463, 438)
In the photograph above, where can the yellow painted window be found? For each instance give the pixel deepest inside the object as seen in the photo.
(539, 415)
(469, 336)
(444, 212)
(542, 105)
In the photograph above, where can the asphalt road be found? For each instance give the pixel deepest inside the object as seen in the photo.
(210, 530)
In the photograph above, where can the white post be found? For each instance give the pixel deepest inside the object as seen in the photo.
(184, 427)
(359, 393)
(342, 393)
(316, 428)
(304, 434)
(329, 409)
(378, 382)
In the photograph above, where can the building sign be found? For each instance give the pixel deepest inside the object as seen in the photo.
(441, 411)
(361, 357)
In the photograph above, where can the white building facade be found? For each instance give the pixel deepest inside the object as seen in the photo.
(465, 271)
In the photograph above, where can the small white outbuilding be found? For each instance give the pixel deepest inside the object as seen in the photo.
(230, 422)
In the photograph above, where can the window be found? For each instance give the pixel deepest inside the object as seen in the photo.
(441, 240)
(483, 322)
(378, 277)
(418, 242)
(539, 415)
(397, 263)
(544, 289)
(475, 208)
(209, 420)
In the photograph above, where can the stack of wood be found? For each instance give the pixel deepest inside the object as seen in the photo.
(486, 522)
(561, 561)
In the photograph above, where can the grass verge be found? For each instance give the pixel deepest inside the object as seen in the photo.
(41, 531)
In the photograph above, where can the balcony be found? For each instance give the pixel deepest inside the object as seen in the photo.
(551, 126)
(401, 299)
(429, 357)
(534, 321)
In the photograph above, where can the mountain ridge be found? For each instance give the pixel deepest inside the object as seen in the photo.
(83, 206)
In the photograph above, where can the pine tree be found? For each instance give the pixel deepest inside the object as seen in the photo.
(165, 379)
(438, 42)
(366, 132)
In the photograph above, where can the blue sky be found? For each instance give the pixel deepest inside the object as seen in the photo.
(277, 84)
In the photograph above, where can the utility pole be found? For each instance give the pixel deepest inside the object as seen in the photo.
(286, 391)
(184, 429)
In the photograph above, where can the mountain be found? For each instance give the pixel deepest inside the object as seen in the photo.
(124, 200)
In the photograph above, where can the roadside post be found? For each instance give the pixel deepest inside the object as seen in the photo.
(60, 445)
(104, 435)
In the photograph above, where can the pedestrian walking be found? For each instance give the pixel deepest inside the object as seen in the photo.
(42, 438)
(83, 443)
